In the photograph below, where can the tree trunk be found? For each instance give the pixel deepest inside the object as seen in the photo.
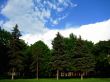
(37, 71)
(57, 74)
(12, 77)
(82, 74)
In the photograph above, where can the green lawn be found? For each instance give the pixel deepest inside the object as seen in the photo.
(61, 80)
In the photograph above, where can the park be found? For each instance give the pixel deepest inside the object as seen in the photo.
(54, 40)
(71, 59)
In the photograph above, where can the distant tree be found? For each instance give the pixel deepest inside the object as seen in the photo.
(70, 44)
(27, 62)
(44, 65)
(15, 54)
(84, 60)
(5, 38)
(16, 33)
(59, 60)
(102, 54)
(40, 54)
(22, 48)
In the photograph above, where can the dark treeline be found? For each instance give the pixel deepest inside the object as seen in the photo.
(69, 57)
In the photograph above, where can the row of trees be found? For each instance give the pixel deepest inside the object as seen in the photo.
(71, 54)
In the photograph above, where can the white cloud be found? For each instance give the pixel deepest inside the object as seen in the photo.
(31, 15)
(61, 1)
(92, 32)
(23, 15)
(55, 22)
(60, 9)
(63, 17)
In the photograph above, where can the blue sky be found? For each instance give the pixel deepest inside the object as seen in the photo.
(90, 11)
(86, 12)
(41, 17)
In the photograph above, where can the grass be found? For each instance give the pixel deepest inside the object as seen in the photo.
(61, 80)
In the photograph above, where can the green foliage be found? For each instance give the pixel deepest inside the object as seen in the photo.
(102, 53)
(40, 55)
(84, 59)
(16, 52)
(15, 32)
(68, 54)
(70, 44)
(59, 60)
(5, 38)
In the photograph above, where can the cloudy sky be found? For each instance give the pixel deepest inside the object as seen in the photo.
(42, 19)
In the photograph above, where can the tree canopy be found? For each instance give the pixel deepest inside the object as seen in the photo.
(69, 57)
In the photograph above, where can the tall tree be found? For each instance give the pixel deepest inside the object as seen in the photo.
(40, 54)
(59, 57)
(70, 44)
(102, 54)
(5, 38)
(84, 60)
(15, 56)
(27, 62)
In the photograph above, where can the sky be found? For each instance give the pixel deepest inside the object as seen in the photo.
(42, 19)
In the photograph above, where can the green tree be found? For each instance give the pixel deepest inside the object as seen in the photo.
(40, 54)
(16, 33)
(15, 53)
(84, 60)
(70, 44)
(5, 38)
(59, 60)
(22, 48)
(27, 62)
(102, 53)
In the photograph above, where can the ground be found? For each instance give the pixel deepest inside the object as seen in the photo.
(61, 80)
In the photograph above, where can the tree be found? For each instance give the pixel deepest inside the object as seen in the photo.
(5, 38)
(70, 44)
(84, 60)
(15, 53)
(40, 54)
(59, 60)
(27, 62)
(102, 54)
(22, 48)
(16, 33)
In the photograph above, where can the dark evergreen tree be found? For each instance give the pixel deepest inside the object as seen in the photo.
(15, 54)
(84, 60)
(70, 44)
(5, 38)
(102, 54)
(59, 60)
(27, 62)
